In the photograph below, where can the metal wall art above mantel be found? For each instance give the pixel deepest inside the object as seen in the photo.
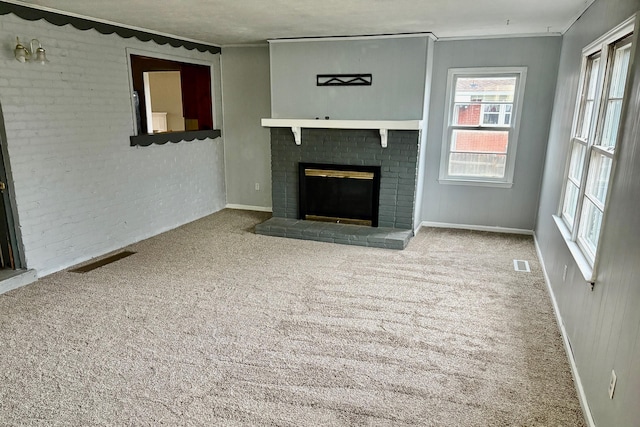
(59, 19)
(344, 80)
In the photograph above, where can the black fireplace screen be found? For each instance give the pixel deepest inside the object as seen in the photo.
(339, 193)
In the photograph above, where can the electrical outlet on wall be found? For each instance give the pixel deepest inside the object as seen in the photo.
(257, 186)
(612, 384)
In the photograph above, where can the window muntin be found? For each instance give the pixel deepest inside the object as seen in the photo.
(596, 130)
(480, 130)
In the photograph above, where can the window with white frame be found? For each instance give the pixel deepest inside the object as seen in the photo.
(594, 138)
(481, 125)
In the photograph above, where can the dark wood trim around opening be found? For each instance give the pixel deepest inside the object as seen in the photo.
(163, 138)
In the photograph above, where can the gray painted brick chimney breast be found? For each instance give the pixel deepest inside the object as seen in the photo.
(398, 164)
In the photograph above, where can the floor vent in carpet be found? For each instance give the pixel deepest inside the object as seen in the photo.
(520, 265)
(102, 262)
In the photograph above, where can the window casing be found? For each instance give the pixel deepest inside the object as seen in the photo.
(481, 125)
(599, 108)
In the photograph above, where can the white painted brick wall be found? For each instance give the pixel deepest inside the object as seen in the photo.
(80, 189)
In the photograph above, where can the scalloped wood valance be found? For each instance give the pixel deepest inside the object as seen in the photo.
(59, 19)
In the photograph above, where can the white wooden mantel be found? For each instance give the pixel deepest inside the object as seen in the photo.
(383, 126)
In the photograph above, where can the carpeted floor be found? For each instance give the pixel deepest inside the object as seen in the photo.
(210, 324)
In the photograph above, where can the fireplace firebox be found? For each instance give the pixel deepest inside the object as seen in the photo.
(339, 193)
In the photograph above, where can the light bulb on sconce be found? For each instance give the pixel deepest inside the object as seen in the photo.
(23, 54)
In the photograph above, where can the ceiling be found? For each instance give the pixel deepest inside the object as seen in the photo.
(225, 22)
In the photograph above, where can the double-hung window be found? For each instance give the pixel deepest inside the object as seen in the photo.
(481, 125)
(594, 138)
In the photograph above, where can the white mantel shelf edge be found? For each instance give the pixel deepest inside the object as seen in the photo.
(383, 126)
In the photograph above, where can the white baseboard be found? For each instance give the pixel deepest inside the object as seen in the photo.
(582, 397)
(476, 228)
(249, 207)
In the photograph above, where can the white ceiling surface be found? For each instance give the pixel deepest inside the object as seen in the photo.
(225, 22)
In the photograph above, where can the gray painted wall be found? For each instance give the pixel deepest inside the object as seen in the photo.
(484, 206)
(246, 93)
(397, 65)
(422, 151)
(603, 325)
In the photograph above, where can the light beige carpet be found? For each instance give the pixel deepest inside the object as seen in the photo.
(210, 324)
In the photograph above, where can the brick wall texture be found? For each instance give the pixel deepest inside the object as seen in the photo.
(398, 164)
(78, 187)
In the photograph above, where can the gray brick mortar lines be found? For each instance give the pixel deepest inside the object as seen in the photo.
(354, 147)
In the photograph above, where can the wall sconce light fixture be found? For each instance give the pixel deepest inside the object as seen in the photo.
(23, 54)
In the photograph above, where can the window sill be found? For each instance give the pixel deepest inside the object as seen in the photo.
(175, 137)
(476, 183)
(586, 269)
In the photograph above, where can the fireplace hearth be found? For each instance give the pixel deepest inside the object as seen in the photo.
(336, 166)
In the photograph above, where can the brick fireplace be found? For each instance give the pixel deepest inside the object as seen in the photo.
(379, 122)
(398, 163)
(359, 147)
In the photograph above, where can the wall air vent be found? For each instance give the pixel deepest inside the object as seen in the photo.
(102, 262)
